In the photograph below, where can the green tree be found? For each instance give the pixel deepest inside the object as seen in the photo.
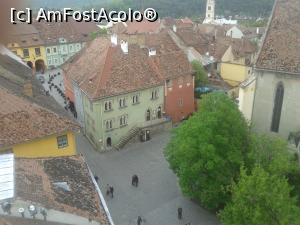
(101, 32)
(261, 199)
(272, 154)
(207, 151)
(201, 77)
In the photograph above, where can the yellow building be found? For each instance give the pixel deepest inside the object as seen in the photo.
(31, 131)
(24, 40)
(236, 63)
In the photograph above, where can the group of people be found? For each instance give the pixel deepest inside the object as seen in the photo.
(135, 183)
(110, 188)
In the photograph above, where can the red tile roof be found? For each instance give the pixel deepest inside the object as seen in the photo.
(72, 31)
(102, 70)
(25, 35)
(21, 120)
(280, 50)
(36, 179)
(204, 42)
(242, 48)
(143, 27)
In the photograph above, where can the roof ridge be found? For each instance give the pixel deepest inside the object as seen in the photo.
(107, 66)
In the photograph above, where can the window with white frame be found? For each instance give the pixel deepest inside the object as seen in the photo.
(123, 120)
(108, 106)
(135, 99)
(62, 141)
(109, 124)
(122, 102)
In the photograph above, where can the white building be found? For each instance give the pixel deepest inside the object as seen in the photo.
(235, 32)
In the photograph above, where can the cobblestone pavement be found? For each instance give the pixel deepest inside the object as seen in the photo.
(58, 80)
(157, 197)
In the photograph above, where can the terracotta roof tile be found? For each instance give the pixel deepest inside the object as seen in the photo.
(144, 27)
(242, 48)
(280, 50)
(204, 42)
(72, 31)
(14, 75)
(25, 35)
(21, 120)
(35, 182)
(103, 70)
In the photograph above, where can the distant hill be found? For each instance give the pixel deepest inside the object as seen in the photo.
(174, 8)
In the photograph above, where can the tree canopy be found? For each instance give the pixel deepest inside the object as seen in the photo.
(261, 199)
(201, 77)
(207, 151)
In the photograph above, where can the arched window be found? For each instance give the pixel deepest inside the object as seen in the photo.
(278, 101)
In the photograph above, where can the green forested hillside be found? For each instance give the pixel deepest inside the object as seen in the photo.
(174, 8)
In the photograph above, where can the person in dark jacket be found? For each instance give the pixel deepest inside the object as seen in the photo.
(139, 221)
(179, 211)
(111, 189)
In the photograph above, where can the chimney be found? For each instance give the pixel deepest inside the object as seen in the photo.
(174, 28)
(27, 89)
(114, 39)
(152, 52)
(124, 46)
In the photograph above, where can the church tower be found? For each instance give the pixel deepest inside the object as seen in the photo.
(210, 12)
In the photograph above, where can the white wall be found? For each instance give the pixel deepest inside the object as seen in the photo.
(235, 32)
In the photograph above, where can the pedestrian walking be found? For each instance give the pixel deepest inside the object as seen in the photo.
(179, 212)
(135, 180)
(111, 189)
(107, 190)
(96, 178)
(139, 220)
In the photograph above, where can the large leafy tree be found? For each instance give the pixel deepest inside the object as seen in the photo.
(207, 151)
(201, 77)
(272, 154)
(261, 199)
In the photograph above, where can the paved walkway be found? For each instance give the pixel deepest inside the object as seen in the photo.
(58, 80)
(158, 196)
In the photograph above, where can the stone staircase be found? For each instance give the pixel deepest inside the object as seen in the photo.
(125, 139)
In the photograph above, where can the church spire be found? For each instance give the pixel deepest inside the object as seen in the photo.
(210, 11)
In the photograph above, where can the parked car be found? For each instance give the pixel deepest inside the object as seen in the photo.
(203, 90)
